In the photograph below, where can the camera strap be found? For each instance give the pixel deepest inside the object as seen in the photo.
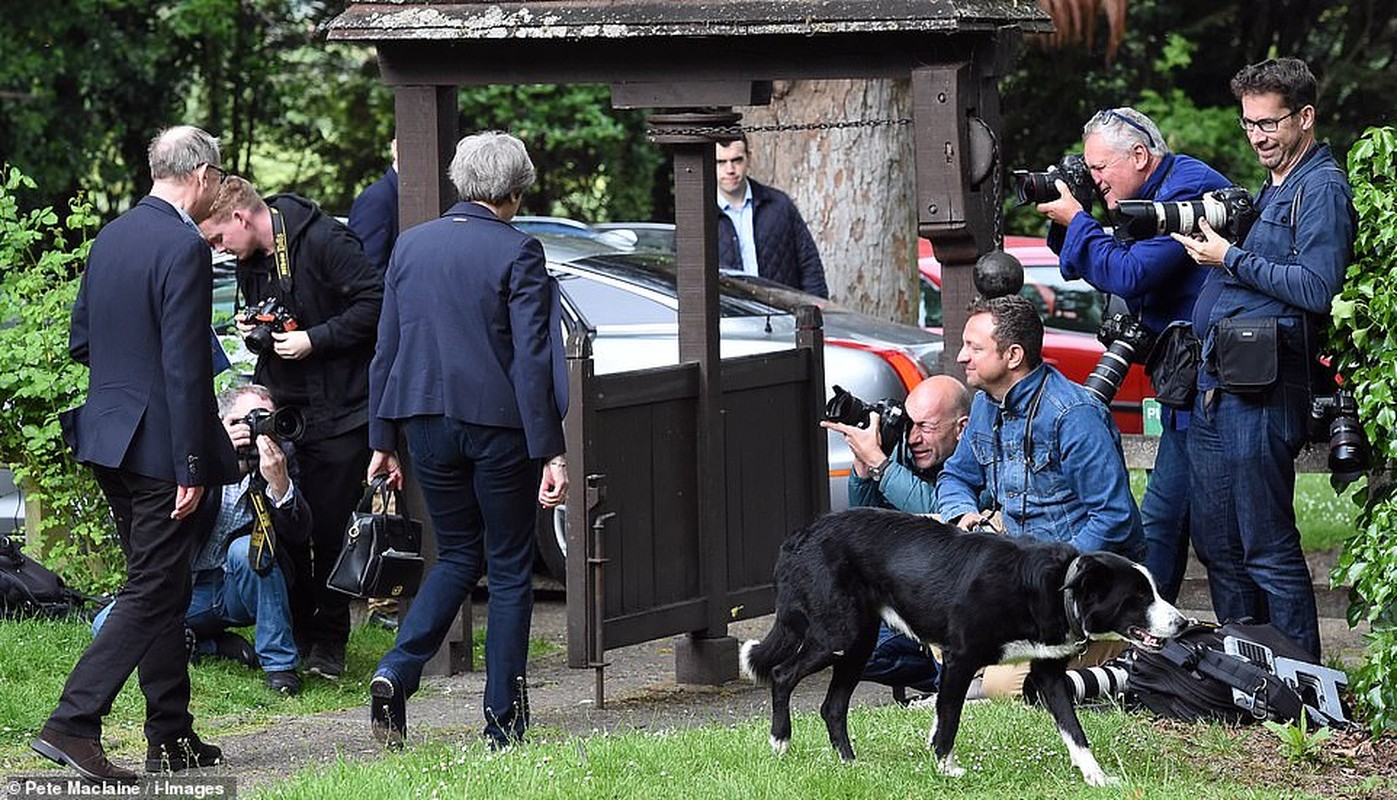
(261, 548)
(281, 256)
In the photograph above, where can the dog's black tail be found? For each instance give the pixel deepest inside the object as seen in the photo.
(758, 658)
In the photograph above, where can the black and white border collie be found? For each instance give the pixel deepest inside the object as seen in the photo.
(983, 598)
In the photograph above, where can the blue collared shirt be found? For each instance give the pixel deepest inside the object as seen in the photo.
(741, 216)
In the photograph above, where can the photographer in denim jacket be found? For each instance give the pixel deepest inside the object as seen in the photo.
(1128, 159)
(937, 410)
(1282, 278)
(1045, 450)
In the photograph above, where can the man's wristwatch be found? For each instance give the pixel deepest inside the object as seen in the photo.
(875, 474)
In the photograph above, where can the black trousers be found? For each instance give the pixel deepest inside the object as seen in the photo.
(332, 480)
(144, 633)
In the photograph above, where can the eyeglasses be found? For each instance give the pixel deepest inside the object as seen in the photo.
(222, 173)
(1111, 113)
(1264, 125)
(1103, 167)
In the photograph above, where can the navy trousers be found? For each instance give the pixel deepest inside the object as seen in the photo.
(481, 489)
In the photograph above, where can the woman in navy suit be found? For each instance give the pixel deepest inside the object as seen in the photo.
(463, 375)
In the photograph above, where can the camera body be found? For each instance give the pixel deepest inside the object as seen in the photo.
(1127, 342)
(284, 424)
(267, 317)
(1039, 187)
(893, 422)
(1334, 418)
(1229, 211)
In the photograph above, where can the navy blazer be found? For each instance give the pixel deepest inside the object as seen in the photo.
(374, 218)
(141, 325)
(465, 332)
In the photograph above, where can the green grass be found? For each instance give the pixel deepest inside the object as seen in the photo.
(1325, 518)
(225, 697)
(1008, 750)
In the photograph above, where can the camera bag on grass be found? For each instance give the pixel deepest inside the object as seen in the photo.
(1192, 678)
(29, 589)
(382, 553)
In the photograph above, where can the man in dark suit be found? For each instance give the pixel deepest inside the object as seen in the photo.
(150, 432)
(374, 215)
(464, 375)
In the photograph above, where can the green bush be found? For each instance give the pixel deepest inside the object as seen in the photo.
(41, 260)
(1364, 340)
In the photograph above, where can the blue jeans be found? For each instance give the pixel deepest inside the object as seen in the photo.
(1242, 451)
(898, 660)
(234, 598)
(1164, 513)
(481, 490)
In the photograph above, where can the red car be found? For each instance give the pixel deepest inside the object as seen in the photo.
(1072, 313)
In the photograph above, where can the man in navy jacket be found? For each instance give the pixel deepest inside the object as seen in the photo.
(1129, 159)
(151, 434)
(760, 230)
(374, 215)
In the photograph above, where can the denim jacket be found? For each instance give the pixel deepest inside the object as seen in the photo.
(1285, 267)
(1067, 482)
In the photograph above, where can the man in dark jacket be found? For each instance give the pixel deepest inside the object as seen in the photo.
(374, 215)
(291, 252)
(760, 230)
(150, 433)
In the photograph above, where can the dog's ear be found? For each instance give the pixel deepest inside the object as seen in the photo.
(1077, 571)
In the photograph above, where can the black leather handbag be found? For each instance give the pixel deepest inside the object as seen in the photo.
(382, 552)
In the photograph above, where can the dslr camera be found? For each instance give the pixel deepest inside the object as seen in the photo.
(1127, 342)
(284, 424)
(267, 318)
(1335, 418)
(1039, 187)
(1229, 211)
(893, 422)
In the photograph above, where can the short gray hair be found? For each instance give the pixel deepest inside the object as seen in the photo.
(1124, 127)
(491, 166)
(228, 397)
(176, 152)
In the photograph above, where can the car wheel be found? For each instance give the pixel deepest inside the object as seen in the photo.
(553, 542)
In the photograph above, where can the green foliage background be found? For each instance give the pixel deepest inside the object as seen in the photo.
(1364, 340)
(43, 256)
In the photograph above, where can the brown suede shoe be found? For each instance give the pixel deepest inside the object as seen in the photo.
(184, 752)
(84, 756)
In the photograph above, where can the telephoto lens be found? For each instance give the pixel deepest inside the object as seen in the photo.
(1126, 342)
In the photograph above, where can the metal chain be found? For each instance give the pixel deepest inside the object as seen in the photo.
(733, 130)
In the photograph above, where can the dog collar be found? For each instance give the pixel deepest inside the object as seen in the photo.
(1069, 605)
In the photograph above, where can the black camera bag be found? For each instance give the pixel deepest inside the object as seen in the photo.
(1246, 353)
(29, 589)
(1173, 366)
(382, 552)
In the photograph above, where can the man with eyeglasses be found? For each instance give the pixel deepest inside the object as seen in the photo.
(902, 475)
(150, 433)
(1129, 159)
(1265, 304)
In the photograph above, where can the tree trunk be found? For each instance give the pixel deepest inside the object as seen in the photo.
(854, 186)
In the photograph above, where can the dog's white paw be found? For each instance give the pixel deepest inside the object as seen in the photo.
(780, 746)
(1098, 778)
(948, 766)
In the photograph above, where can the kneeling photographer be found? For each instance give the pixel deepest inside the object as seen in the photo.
(241, 571)
(897, 455)
(1127, 159)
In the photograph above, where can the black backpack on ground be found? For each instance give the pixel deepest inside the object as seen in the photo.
(29, 589)
(1194, 678)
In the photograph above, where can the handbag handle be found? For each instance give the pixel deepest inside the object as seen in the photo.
(379, 486)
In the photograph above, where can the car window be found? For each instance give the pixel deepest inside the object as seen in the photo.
(605, 304)
(1063, 305)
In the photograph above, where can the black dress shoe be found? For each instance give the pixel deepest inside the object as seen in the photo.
(326, 660)
(387, 712)
(285, 682)
(181, 753)
(85, 756)
(233, 647)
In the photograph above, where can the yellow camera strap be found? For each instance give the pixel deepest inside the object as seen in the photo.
(261, 549)
(280, 254)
